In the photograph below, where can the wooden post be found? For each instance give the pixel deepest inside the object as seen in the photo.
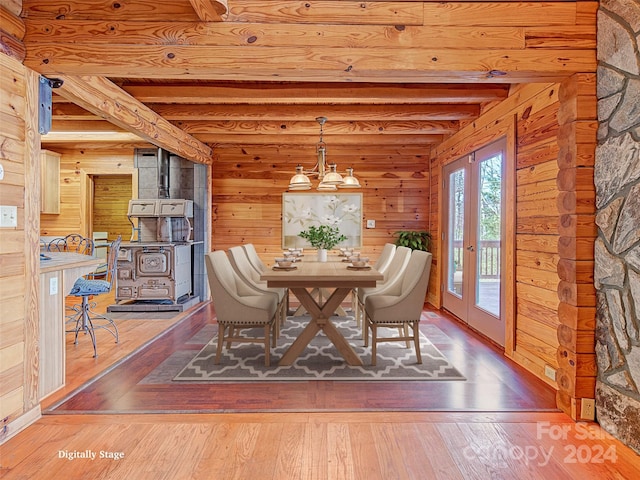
(576, 375)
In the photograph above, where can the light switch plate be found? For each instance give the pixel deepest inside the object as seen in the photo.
(8, 216)
(371, 224)
(53, 286)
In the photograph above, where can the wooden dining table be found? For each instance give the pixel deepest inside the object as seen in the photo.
(311, 275)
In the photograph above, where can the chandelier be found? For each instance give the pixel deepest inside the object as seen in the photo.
(328, 175)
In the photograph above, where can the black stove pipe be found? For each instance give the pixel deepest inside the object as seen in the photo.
(163, 173)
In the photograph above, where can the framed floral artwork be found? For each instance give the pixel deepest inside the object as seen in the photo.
(301, 210)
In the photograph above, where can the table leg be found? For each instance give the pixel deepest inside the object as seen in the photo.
(300, 343)
(321, 293)
(325, 292)
(320, 320)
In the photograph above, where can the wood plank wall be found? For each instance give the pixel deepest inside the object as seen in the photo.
(19, 290)
(75, 164)
(533, 320)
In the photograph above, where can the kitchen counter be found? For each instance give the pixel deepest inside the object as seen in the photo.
(73, 265)
(57, 276)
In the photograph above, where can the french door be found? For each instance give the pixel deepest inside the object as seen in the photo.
(474, 239)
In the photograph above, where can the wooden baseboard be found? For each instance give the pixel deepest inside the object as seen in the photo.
(20, 423)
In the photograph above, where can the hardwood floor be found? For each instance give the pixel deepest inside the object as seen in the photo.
(81, 367)
(493, 383)
(488, 430)
(402, 445)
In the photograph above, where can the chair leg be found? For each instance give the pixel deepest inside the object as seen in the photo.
(267, 346)
(273, 335)
(374, 342)
(365, 329)
(221, 329)
(108, 327)
(416, 339)
(405, 332)
(361, 315)
(281, 318)
(85, 324)
(232, 332)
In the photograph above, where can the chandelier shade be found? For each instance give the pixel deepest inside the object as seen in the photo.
(349, 181)
(330, 179)
(300, 181)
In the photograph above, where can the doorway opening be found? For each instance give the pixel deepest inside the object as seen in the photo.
(109, 203)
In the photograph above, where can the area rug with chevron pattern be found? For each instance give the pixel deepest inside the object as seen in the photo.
(320, 360)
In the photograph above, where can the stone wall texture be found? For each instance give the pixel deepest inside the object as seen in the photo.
(617, 248)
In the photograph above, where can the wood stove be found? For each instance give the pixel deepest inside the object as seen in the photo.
(156, 265)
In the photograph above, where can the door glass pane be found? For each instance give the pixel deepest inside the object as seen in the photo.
(489, 235)
(456, 231)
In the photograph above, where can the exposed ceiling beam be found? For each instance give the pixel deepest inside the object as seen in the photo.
(348, 139)
(302, 63)
(174, 32)
(76, 137)
(210, 10)
(69, 111)
(105, 99)
(254, 153)
(288, 128)
(311, 128)
(386, 13)
(318, 94)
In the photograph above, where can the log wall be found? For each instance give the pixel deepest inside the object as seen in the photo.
(577, 229)
(529, 120)
(536, 317)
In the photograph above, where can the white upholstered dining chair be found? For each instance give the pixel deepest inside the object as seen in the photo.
(384, 260)
(381, 265)
(392, 277)
(239, 306)
(254, 258)
(401, 306)
(242, 265)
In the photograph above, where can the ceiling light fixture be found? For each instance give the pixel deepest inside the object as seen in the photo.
(328, 174)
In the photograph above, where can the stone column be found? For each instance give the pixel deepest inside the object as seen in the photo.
(617, 249)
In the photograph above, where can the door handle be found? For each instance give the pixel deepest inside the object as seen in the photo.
(470, 248)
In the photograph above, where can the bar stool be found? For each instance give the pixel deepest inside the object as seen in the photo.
(96, 283)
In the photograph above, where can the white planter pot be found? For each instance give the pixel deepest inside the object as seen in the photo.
(322, 254)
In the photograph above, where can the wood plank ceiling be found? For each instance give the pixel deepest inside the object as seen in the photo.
(191, 75)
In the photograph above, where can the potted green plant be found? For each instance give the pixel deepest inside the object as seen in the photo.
(413, 239)
(323, 237)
